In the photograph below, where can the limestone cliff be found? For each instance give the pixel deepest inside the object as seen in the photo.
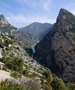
(57, 49)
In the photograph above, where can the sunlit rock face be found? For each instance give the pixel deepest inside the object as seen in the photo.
(3, 21)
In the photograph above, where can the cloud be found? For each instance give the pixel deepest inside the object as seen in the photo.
(42, 4)
(32, 9)
(21, 1)
(21, 21)
(47, 5)
(5, 6)
(28, 2)
(73, 11)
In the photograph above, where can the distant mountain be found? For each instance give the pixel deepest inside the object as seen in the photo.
(34, 32)
(21, 38)
(37, 30)
(57, 49)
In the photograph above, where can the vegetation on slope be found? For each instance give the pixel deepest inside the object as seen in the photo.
(41, 77)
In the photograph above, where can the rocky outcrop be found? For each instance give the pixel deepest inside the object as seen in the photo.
(57, 49)
(5, 27)
(3, 21)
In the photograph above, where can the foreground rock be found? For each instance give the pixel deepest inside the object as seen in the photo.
(4, 75)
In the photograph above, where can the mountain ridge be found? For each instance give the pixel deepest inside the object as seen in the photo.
(37, 30)
(57, 49)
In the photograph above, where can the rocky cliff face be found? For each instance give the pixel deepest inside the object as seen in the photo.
(3, 21)
(5, 27)
(57, 49)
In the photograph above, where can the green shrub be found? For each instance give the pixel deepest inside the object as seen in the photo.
(46, 86)
(10, 85)
(13, 63)
(58, 84)
(70, 86)
(47, 75)
(3, 88)
(26, 73)
(7, 42)
(33, 75)
(4, 68)
(1, 44)
(15, 74)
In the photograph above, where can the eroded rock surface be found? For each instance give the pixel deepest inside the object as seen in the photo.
(57, 49)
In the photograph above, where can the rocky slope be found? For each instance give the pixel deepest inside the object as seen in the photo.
(21, 71)
(57, 49)
(37, 30)
(17, 63)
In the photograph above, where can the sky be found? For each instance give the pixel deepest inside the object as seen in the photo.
(20, 13)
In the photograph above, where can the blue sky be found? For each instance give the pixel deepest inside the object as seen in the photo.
(23, 12)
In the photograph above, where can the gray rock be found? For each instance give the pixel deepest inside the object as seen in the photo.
(57, 49)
